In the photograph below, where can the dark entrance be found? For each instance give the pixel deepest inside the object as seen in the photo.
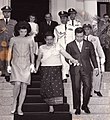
(103, 7)
(23, 8)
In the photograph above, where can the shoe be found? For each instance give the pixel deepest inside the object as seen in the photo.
(98, 93)
(7, 78)
(77, 112)
(13, 111)
(13, 108)
(86, 109)
(64, 80)
(20, 111)
(51, 109)
(90, 95)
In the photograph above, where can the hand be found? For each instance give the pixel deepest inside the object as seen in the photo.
(9, 69)
(32, 69)
(75, 62)
(96, 71)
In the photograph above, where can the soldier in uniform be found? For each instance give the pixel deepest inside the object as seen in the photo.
(64, 34)
(72, 18)
(8, 26)
(100, 58)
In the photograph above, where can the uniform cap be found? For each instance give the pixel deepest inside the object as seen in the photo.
(63, 14)
(87, 26)
(6, 8)
(71, 10)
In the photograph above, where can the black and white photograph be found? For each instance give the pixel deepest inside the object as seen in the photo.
(54, 59)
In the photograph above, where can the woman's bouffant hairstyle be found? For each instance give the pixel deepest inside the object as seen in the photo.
(22, 25)
(49, 33)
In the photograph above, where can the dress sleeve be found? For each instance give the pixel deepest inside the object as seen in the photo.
(11, 43)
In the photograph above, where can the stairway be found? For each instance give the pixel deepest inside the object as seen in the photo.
(99, 106)
(36, 109)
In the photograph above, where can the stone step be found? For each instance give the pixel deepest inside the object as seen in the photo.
(100, 109)
(6, 86)
(5, 110)
(95, 109)
(6, 101)
(99, 101)
(6, 117)
(91, 117)
(6, 93)
(106, 77)
(105, 86)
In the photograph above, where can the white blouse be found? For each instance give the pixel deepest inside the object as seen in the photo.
(51, 55)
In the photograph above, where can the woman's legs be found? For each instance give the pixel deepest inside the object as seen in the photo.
(22, 97)
(16, 91)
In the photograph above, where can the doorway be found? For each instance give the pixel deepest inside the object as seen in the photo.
(103, 8)
(21, 9)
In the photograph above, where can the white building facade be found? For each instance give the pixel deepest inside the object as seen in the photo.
(89, 6)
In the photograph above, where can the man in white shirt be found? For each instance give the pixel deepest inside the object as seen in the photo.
(100, 58)
(72, 18)
(64, 34)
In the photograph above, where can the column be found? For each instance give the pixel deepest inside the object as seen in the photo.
(90, 6)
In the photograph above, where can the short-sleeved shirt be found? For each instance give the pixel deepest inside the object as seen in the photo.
(51, 55)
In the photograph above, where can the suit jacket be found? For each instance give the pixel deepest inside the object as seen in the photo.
(44, 27)
(9, 27)
(85, 57)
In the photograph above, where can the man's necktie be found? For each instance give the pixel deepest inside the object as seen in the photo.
(65, 27)
(72, 22)
(6, 21)
(87, 38)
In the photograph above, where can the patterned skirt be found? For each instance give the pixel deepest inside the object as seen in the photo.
(51, 84)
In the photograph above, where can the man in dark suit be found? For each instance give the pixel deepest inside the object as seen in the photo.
(47, 25)
(5, 36)
(84, 52)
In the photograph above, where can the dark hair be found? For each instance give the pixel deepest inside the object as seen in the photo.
(49, 33)
(48, 14)
(22, 25)
(105, 15)
(87, 26)
(79, 30)
(32, 14)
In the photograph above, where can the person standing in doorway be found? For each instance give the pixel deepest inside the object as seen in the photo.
(47, 25)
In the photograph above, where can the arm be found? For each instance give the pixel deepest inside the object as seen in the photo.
(101, 55)
(32, 52)
(9, 56)
(100, 52)
(37, 29)
(40, 54)
(93, 59)
(68, 56)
